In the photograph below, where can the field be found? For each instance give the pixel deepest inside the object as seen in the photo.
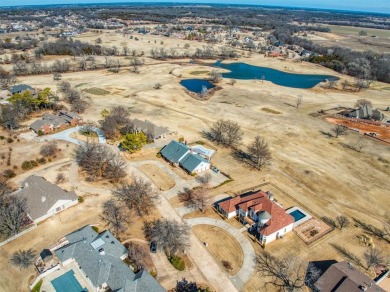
(317, 172)
(348, 30)
(222, 246)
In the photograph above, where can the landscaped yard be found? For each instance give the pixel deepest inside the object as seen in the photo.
(162, 180)
(222, 246)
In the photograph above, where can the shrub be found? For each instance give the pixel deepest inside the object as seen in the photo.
(227, 265)
(41, 160)
(181, 139)
(26, 165)
(9, 173)
(153, 274)
(10, 140)
(80, 199)
(95, 227)
(177, 262)
(2, 137)
(159, 155)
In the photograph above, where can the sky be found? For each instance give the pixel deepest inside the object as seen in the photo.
(382, 6)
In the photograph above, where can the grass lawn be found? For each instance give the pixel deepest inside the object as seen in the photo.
(199, 72)
(158, 176)
(355, 30)
(96, 91)
(37, 287)
(222, 246)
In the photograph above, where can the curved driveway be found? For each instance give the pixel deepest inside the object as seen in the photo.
(248, 266)
(65, 136)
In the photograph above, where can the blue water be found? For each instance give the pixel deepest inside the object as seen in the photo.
(196, 85)
(249, 72)
(67, 283)
(298, 215)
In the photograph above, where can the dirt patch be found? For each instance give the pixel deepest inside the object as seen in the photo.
(91, 138)
(163, 180)
(222, 246)
(312, 230)
(381, 132)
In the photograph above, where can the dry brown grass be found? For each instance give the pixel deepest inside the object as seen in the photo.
(221, 245)
(162, 180)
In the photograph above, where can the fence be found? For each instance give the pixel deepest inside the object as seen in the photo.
(18, 235)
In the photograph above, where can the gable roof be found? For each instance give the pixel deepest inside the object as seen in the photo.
(20, 88)
(149, 129)
(38, 124)
(174, 151)
(41, 195)
(191, 161)
(231, 205)
(343, 276)
(103, 264)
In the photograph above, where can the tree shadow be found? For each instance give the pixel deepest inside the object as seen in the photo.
(289, 104)
(327, 134)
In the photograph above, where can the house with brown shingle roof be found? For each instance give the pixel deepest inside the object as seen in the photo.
(344, 276)
(267, 219)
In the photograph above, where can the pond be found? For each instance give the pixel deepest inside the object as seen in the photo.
(196, 85)
(249, 72)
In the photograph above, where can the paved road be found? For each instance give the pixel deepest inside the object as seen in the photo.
(247, 268)
(65, 136)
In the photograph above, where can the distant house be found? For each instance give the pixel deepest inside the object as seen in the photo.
(50, 123)
(267, 219)
(100, 258)
(180, 154)
(21, 88)
(366, 112)
(44, 199)
(151, 131)
(342, 277)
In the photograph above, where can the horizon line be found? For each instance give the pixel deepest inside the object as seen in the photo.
(202, 4)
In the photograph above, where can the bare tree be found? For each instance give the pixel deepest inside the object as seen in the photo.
(116, 119)
(99, 161)
(125, 50)
(139, 195)
(226, 132)
(375, 257)
(137, 254)
(259, 150)
(195, 198)
(49, 149)
(331, 222)
(285, 274)
(339, 130)
(115, 217)
(361, 144)
(298, 102)
(23, 258)
(60, 178)
(344, 84)
(13, 215)
(232, 82)
(170, 235)
(215, 76)
(57, 76)
(342, 221)
(362, 102)
(5, 187)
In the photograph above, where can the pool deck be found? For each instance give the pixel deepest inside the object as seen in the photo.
(48, 287)
(304, 219)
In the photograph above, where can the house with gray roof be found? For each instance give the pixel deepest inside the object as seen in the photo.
(44, 199)
(180, 154)
(21, 88)
(151, 131)
(100, 258)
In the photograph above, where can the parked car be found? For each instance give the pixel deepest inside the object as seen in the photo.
(153, 247)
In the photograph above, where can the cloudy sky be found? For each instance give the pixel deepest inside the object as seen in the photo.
(356, 5)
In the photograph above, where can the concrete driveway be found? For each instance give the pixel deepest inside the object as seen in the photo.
(65, 136)
(248, 266)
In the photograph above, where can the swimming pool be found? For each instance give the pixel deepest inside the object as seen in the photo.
(298, 215)
(67, 283)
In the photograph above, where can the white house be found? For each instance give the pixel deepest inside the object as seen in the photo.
(44, 199)
(266, 218)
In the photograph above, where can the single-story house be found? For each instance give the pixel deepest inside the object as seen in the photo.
(267, 219)
(50, 122)
(181, 154)
(21, 88)
(151, 131)
(99, 257)
(72, 118)
(44, 199)
(343, 276)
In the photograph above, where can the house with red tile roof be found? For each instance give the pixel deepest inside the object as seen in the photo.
(267, 219)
